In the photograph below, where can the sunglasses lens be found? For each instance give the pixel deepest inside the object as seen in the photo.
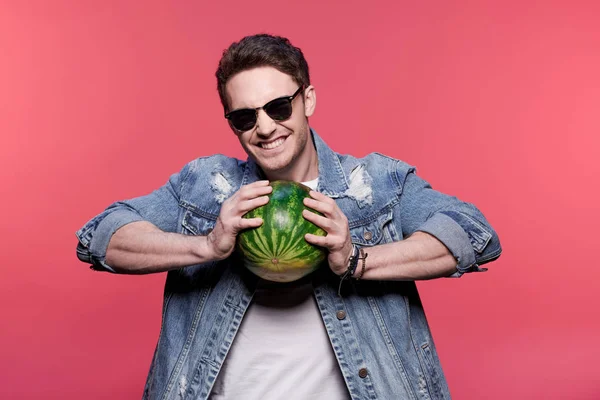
(243, 120)
(279, 109)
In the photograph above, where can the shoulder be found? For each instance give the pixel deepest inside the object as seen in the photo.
(212, 178)
(382, 170)
(215, 162)
(204, 168)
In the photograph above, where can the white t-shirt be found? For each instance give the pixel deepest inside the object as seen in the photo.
(281, 349)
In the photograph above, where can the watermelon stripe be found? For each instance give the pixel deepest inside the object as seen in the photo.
(300, 245)
(298, 231)
(291, 242)
(295, 248)
(264, 247)
(272, 237)
(261, 240)
(257, 256)
(252, 257)
(286, 240)
(252, 250)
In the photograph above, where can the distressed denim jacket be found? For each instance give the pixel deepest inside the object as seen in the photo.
(378, 329)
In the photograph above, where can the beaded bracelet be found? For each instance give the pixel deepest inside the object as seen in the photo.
(363, 257)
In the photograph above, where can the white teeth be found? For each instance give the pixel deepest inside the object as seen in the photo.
(274, 144)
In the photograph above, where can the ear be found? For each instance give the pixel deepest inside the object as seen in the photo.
(310, 101)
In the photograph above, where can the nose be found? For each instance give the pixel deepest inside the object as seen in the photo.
(265, 125)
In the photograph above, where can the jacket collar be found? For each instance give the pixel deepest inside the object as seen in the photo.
(332, 180)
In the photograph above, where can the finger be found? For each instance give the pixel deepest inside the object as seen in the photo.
(247, 223)
(248, 192)
(320, 241)
(264, 182)
(323, 208)
(321, 197)
(322, 222)
(248, 205)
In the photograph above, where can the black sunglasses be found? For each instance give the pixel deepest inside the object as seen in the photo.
(278, 109)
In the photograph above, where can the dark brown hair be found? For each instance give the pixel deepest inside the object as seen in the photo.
(259, 51)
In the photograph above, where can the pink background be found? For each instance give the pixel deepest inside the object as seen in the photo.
(495, 102)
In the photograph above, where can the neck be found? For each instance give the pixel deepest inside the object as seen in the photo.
(293, 173)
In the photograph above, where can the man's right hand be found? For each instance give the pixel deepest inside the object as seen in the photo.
(222, 238)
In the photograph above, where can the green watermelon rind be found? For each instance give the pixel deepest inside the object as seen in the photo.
(270, 253)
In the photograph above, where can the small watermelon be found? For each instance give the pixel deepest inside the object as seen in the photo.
(276, 250)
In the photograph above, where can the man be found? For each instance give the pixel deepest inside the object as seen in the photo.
(353, 329)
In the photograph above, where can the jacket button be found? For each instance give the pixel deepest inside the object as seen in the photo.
(368, 235)
(363, 373)
(340, 314)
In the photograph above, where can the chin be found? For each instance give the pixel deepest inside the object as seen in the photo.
(274, 167)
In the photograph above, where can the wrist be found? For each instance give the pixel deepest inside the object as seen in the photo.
(203, 249)
(360, 268)
(352, 264)
(352, 261)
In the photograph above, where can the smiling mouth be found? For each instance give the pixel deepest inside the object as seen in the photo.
(272, 145)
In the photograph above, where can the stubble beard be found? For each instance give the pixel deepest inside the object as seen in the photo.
(285, 165)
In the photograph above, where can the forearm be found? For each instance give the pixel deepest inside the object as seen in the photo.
(420, 256)
(142, 248)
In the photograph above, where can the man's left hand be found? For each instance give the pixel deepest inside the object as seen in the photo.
(335, 223)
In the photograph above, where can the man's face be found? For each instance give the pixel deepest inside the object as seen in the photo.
(278, 147)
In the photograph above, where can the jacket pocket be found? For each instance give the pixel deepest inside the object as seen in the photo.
(373, 230)
(431, 367)
(196, 224)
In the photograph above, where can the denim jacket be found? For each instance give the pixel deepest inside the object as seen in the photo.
(378, 329)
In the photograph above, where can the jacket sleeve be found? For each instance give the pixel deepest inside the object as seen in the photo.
(161, 208)
(460, 226)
